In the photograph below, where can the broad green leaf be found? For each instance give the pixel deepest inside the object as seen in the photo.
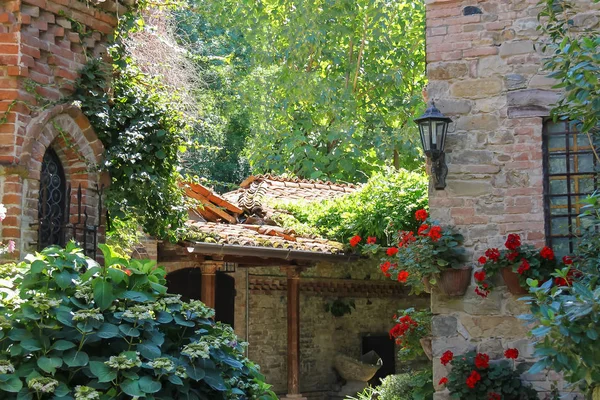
(103, 293)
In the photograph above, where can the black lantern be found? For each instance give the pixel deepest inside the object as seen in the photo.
(433, 127)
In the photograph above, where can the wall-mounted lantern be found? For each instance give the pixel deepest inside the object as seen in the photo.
(433, 126)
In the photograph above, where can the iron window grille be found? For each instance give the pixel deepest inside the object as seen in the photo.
(569, 176)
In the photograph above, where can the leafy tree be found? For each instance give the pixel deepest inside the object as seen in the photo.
(333, 85)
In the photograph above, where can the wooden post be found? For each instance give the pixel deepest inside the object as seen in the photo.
(293, 333)
(209, 282)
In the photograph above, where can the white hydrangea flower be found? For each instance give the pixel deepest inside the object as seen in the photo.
(41, 302)
(86, 393)
(3, 212)
(84, 292)
(123, 362)
(42, 384)
(84, 315)
(139, 312)
(199, 349)
(180, 372)
(6, 367)
(198, 308)
(162, 363)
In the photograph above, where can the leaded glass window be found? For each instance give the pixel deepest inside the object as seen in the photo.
(569, 176)
(52, 201)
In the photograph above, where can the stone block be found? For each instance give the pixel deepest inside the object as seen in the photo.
(475, 305)
(515, 81)
(469, 188)
(516, 48)
(476, 88)
(445, 305)
(453, 107)
(490, 326)
(532, 97)
(542, 82)
(524, 346)
(447, 70)
(443, 326)
(457, 345)
(492, 347)
(528, 111)
(478, 122)
(514, 306)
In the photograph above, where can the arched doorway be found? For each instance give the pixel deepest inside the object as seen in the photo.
(187, 283)
(52, 201)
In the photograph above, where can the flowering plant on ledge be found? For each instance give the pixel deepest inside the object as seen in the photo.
(524, 260)
(420, 258)
(475, 377)
(411, 326)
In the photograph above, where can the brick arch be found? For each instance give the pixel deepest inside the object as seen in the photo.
(66, 130)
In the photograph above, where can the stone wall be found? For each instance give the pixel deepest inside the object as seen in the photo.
(43, 45)
(485, 74)
(321, 334)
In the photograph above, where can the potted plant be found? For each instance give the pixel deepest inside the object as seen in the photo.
(516, 263)
(412, 333)
(431, 258)
(474, 377)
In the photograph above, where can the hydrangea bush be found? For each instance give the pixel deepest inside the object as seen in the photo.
(74, 330)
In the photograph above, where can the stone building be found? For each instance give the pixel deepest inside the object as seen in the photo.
(511, 169)
(273, 285)
(46, 144)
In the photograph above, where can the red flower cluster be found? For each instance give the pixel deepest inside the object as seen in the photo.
(482, 260)
(422, 229)
(421, 215)
(482, 290)
(494, 396)
(371, 240)
(473, 379)
(511, 354)
(355, 240)
(405, 324)
(391, 251)
(493, 254)
(482, 361)
(547, 253)
(571, 275)
(406, 238)
(385, 267)
(446, 357)
(443, 381)
(512, 256)
(513, 241)
(567, 260)
(523, 267)
(402, 276)
(435, 233)
(479, 276)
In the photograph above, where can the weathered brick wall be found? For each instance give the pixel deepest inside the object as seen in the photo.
(43, 45)
(485, 74)
(321, 334)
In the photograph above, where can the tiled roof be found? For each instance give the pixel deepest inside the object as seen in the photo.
(271, 187)
(259, 236)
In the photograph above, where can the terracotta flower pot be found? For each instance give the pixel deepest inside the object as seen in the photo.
(454, 282)
(512, 282)
(426, 345)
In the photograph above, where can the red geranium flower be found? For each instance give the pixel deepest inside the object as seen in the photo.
(421, 215)
(371, 240)
(567, 260)
(493, 254)
(512, 256)
(482, 260)
(385, 268)
(523, 267)
(446, 357)
(511, 353)
(422, 229)
(494, 396)
(513, 241)
(479, 276)
(443, 381)
(547, 253)
(402, 276)
(560, 282)
(435, 233)
(483, 291)
(482, 361)
(473, 379)
(355, 240)
(392, 251)
(406, 238)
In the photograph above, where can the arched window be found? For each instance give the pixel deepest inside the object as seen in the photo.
(52, 201)
(569, 176)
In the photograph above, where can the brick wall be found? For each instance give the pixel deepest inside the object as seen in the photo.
(485, 74)
(43, 45)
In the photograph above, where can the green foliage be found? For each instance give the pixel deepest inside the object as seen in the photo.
(385, 204)
(499, 377)
(414, 385)
(566, 312)
(72, 329)
(332, 87)
(340, 307)
(574, 62)
(143, 137)
(411, 326)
